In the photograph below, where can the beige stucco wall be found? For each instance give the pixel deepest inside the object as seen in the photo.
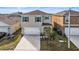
(32, 22)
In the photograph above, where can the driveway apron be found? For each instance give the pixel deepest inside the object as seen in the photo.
(75, 40)
(31, 43)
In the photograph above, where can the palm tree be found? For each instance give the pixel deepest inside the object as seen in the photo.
(53, 35)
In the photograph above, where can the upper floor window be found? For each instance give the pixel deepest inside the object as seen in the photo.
(37, 19)
(78, 19)
(46, 17)
(25, 19)
(66, 19)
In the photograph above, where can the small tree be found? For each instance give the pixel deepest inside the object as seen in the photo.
(47, 31)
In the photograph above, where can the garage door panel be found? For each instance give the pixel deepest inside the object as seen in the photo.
(31, 31)
(73, 31)
(4, 29)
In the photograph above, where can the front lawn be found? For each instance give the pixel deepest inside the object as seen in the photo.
(7, 43)
(58, 43)
(11, 45)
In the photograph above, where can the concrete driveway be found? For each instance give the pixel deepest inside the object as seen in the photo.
(31, 43)
(75, 40)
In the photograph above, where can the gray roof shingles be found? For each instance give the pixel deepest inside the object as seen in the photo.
(66, 12)
(9, 20)
(36, 12)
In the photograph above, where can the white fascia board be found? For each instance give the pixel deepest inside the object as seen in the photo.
(3, 24)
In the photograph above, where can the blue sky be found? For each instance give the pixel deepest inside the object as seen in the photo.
(27, 9)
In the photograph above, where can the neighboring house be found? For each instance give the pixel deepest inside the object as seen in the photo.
(9, 24)
(61, 22)
(35, 22)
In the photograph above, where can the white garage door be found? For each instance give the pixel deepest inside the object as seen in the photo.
(4, 29)
(32, 31)
(73, 31)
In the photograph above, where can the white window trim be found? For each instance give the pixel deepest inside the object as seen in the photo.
(46, 16)
(25, 21)
(38, 16)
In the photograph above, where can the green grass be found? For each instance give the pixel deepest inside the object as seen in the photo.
(55, 45)
(11, 45)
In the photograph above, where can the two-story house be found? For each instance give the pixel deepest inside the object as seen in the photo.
(61, 22)
(35, 22)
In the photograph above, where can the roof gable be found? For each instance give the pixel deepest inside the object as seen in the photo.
(9, 21)
(36, 12)
(66, 12)
(3, 24)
